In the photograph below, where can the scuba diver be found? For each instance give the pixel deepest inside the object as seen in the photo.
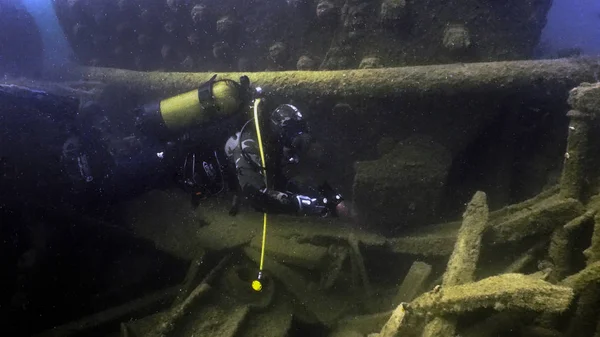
(104, 166)
(175, 142)
(285, 135)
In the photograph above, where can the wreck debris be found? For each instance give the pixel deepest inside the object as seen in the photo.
(497, 323)
(217, 269)
(393, 327)
(113, 314)
(325, 310)
(326, 10)
(225, 26)
(370, 62)
(337, 256)
(503, 292)
(358, 261)
(514, 208)
(417, 165)
(541, 218)
(587, 309)
(539, 331)
(391, 11)
(357, 18)
(306, 63)
(354, 16)
(582, 279)
(290, 252)
(278, 53)
(169, 321)
(364, 324)
(124, 330)
(413, 283)
(346, 333)
(559, 253)
(275, 322)
(440, 326)
(375, 83)
(234, 322)
(225, 232)
(560, 250)
(446, 243)
(586, 313)
(440, 243)
(584, 100)
(190, 277)
(592, 253)
(580, 220)
(526, 258)
(585, 97)
(338, 57)
(239, 278)
(456, 37)
(574, 160)
(463, 261)
(198, 13)
(545, 215)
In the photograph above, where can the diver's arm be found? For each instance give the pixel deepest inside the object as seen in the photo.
(269, 200)
(272, 201)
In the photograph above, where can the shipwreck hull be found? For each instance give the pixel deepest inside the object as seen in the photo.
(480, 116)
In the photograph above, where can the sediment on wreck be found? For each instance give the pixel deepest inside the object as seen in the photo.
(503, 292)
(413, 282)
(306, 251)
(408, 90)
(561, 243)
(572, 178)
(463, 261)
(511, 76)
(578, 179)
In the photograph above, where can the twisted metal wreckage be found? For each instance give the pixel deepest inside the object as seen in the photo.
(348, 301)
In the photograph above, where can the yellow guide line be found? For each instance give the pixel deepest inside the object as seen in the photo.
(256, 284)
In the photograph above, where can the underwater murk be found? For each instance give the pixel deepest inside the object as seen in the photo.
(273, 168)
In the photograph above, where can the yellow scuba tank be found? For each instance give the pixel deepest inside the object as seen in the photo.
(213, 99)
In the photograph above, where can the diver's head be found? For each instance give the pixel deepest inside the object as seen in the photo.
(289, 126)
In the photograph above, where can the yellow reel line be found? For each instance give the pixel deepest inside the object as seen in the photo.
(257, 284)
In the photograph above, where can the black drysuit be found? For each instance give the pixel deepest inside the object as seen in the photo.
(281, 195)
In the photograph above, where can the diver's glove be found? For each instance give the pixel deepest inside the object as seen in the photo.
(330, 198)
(311, 206)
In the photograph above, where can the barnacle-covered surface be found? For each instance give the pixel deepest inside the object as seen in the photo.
(202, 35)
